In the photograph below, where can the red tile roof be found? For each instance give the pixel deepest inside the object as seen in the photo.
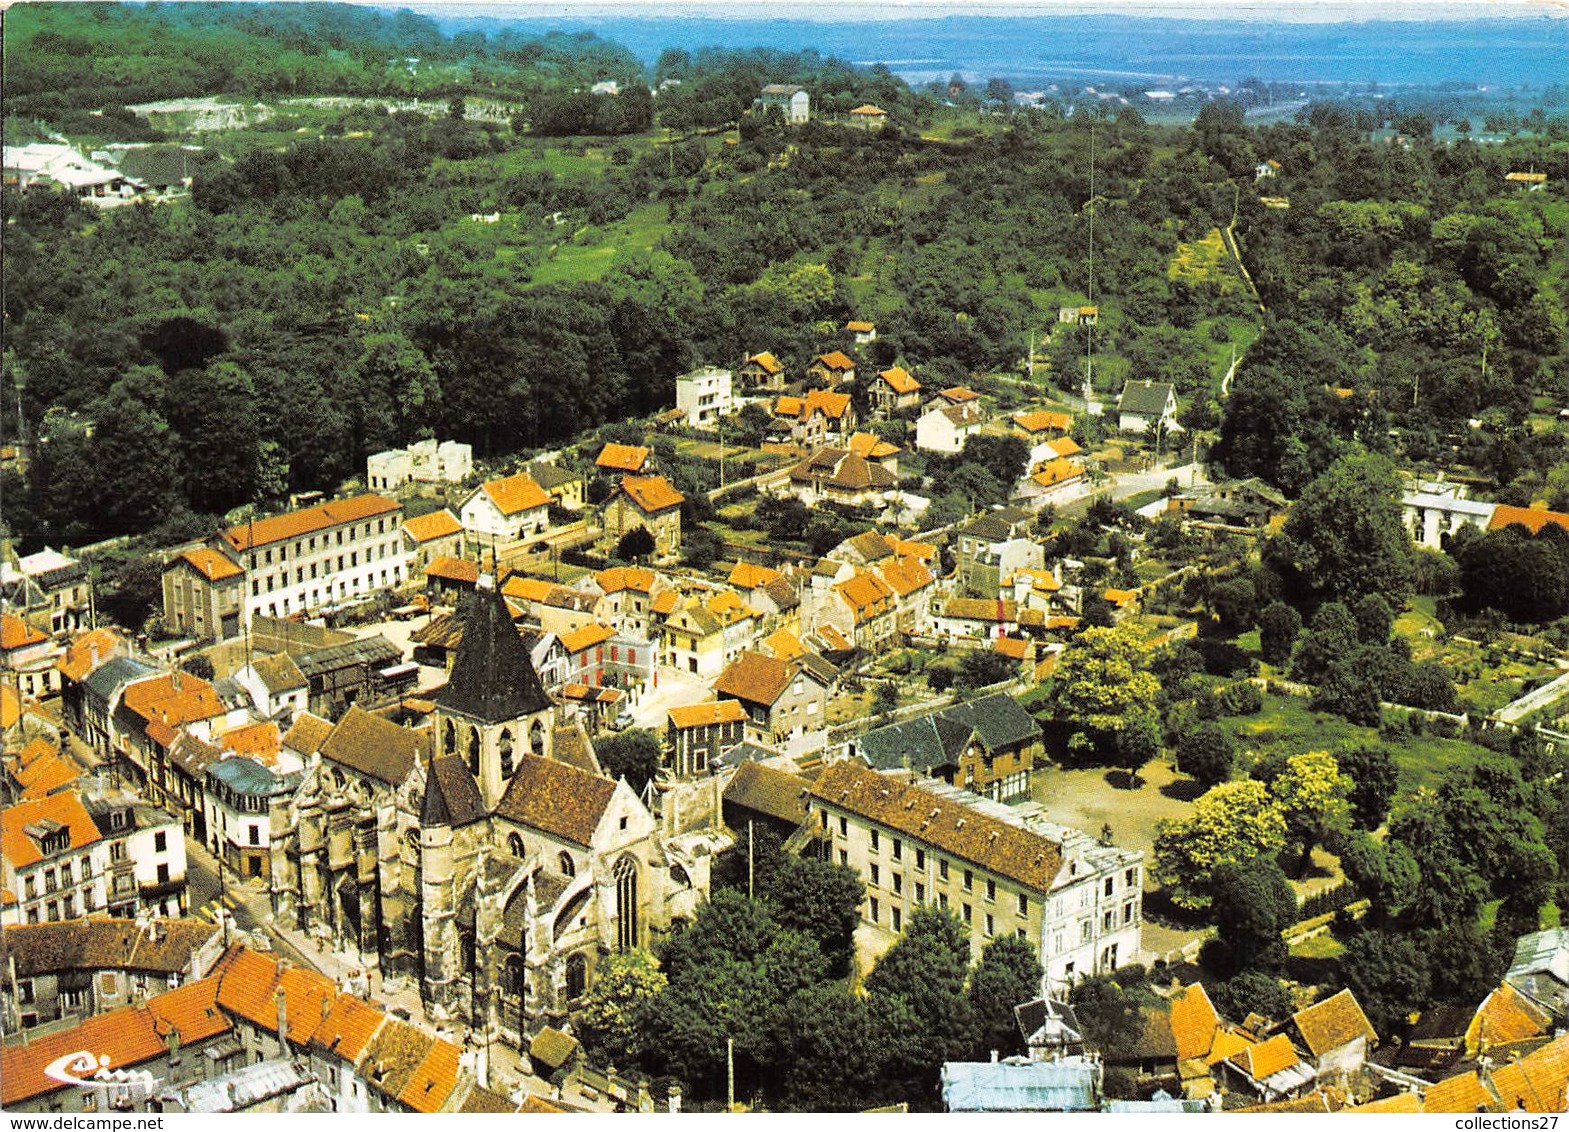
(211, 564)
(953, 827)
(174, 698)
(586, 638)
(748, 576)
(651, 494)
(77, 660)
(1332, 1023)
(639, 579)
(1043, 420)
(622, 458)
(453, 569)
(1538, 1082)
(433, 1080)
(899, 380)
(835, 360)
(16, 633)
(559, 800)
(516, 494)
(323, 516)
(767, 362)
(436, 524)
(867, 595)
(1267, 1058)
(707, 714)
(59, 810)
(755, 678)
(1532, 518)
(348, 1028)
(1193, 1022)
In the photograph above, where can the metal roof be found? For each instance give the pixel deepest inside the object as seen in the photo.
(1070, 1084)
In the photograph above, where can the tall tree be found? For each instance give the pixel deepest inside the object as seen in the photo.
(1347, 532)
(1233, 822)
(1008, 974)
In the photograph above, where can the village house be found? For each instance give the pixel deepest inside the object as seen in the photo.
(913, 585)
(868, 117)
(791, 101)
(875, 450)
(864, 609)
(651, 503)
(204, 594)
(49, 590)
(28, 655)
(1002, 871)
(505, 510)
(626, 596)
(1436, 510)
(988, 746)
(438, 534)
(783, 699)
(762, 795)
(814, 418)
(973, 619)
(995, 546)
(704, 396)
(622, 459)
(892, 390)
(833, 369)
(277, 687)
(697, 734)
(599, 656)
(1336, 1035)
(946, 428)
(79, 968)
(239, 797)
(1147, 407)
(565, 486)
(839, 476)
(1040, 424)
(692, 640)
(762, 371)
(447, 579)
(865, 332)
(38, 770)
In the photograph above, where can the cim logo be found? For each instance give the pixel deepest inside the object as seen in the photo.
(127, 1087)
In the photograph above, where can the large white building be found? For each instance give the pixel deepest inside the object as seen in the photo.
(1003, 870)
(318, 558)
(426, 461)
(1435, 510)
(704, 395)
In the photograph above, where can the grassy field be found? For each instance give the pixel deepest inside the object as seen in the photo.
(1204, 260)
(592, 251)
(1288, 726)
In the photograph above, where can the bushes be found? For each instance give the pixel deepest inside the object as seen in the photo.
(1242, 698)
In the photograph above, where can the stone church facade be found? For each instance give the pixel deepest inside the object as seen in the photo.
(483, 858)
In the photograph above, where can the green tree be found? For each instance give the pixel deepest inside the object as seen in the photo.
(1009, 973)
(885, 698)
(1387, 875)
(634, 755)
(1236, 604)
(615, 1011)
(1374, 619)
(1252, 903)
(1258, 992)
(1278, 627)
(1103, 683)
(1313, 798)
(636, 545)
(981, 668)
(1206, 753)
(1233, 822)
(1374, 779)
(926, 969)
(1347, 531)
(1331, 637)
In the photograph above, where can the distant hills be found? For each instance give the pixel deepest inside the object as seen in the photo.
(1116, 48)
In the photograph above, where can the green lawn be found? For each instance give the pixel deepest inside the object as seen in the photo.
(1323, 946)
(588, 256)
(1287, 725)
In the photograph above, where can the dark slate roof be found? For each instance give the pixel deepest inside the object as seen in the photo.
(923, 743)
(247, 776)
(745, 751)
(451, 794)
(373, 652)
(1032, 1016)
(997, 721)
(1146, 398)
(549, 475)
(115, 672)
(493, 678)
(372, 745)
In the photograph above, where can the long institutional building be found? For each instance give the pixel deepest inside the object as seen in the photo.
(1002, 870)
(308, 560)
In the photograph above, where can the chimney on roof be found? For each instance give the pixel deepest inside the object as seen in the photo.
(93, 650)
(176, 684)
(283, 1020)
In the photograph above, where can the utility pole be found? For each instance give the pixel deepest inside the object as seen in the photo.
(751, 893)
(730, 1074)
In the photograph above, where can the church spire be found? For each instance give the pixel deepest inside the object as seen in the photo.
(493, 678)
